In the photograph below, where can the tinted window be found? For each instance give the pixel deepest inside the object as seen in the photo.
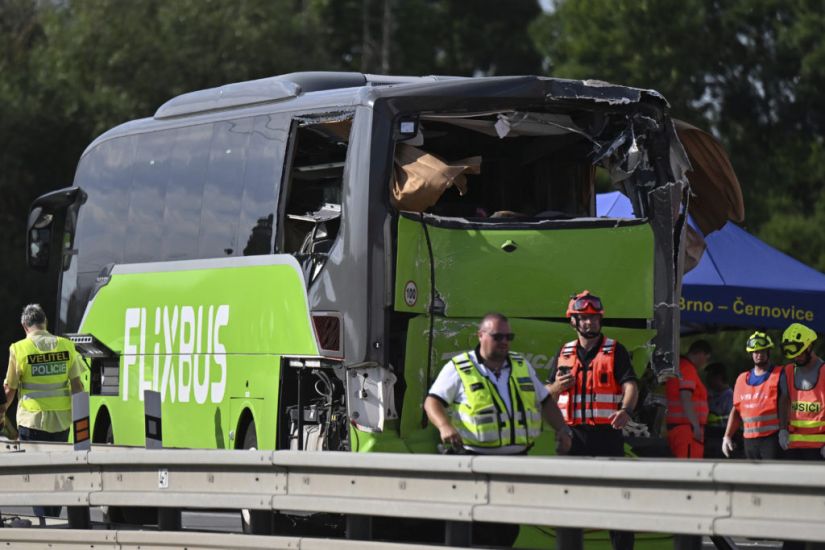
(264, 167)
(196, 192)
(147, 196)
(105, 174)
(188, 162)
(222, 193)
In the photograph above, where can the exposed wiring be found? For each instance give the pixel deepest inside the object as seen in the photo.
(432, 318)
(327, 383)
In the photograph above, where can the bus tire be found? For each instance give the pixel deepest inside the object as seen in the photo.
(103, 428)
(255, 522)
(250, 437)
(104, 433)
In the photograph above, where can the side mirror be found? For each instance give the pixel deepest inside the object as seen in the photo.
(39, 237)
(40, 229)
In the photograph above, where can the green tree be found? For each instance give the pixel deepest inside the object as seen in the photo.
(24, 167)
(106, 61)
(421, 37)
(73, 69)
(751, 71)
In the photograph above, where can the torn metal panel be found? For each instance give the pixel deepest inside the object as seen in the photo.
(536, 124)
(599, 91)
(668, 260)
(513, 123)
(653, 176)
(324, 118)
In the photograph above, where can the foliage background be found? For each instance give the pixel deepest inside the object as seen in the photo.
(751, 71)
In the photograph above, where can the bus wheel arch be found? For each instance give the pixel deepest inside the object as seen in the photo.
(103, 432)
(247, 437)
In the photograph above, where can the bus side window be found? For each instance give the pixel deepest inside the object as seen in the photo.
(312, 211)
(262, 182)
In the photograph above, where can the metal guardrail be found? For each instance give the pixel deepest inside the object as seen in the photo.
(123, 540)
(780, 500)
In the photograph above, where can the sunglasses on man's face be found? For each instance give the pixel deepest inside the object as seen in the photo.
(499, 336)
(582, 303)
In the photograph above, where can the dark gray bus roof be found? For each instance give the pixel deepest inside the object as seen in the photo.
(313, 90)
(289, 86)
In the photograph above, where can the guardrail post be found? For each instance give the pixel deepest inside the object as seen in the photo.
(568, 538)
(723, 543)
(152, 421)
(79, 515)
(359, 527)
(261, 522)
(169, 519)
(458, 533)
(687, 542)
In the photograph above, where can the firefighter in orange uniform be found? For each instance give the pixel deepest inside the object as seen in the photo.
(593, 380)
(687, 404)
(756, 404)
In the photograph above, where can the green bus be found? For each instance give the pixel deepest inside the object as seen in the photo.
(290, 261)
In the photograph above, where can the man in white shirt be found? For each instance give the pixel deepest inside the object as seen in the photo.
(489, 401)
(471, 401)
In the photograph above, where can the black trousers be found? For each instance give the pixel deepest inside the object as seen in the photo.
(764, 448)
(494, 534)
(812, 455)
(596, 441)
(31, 434)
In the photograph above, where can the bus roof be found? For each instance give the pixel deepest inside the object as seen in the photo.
(293, 85)
(319, 89)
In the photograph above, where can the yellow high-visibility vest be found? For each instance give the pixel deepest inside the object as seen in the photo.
(484, 421)
(44, 378)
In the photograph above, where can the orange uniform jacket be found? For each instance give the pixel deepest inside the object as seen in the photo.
(596, 394)
(691, 382)
(757, 405)
(807, 417)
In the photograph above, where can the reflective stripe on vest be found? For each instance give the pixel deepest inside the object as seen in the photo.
(698, 396)
(602, 394)
(44, 378)
(806, 423)
(484, 421)
(757, 405)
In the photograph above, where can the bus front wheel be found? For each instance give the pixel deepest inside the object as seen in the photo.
(104, 433)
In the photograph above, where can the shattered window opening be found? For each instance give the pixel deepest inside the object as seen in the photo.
(535, 165)
(312, 212)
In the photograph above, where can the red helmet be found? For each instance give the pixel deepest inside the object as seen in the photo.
(585, 303)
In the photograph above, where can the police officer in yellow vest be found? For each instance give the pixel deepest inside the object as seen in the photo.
(44, 370)
(489, 401)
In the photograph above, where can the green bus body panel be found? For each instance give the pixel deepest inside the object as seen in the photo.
(537, 340)
(474, 275)
(543, 537)
(209, 338)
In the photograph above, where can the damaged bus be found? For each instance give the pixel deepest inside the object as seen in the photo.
(289, 261)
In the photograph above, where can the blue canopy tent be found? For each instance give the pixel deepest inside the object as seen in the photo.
(741, 281)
